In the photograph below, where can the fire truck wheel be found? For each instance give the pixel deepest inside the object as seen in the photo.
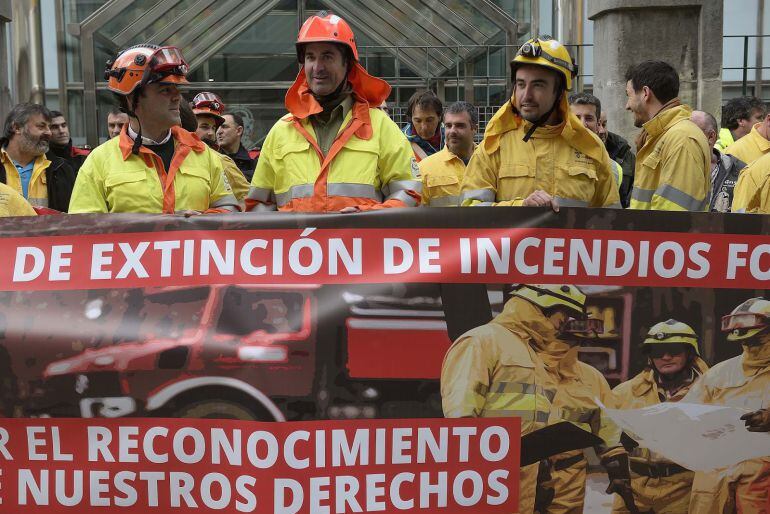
(216, 409)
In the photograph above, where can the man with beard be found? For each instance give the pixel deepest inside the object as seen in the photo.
(44, 183)
(620, 152)
(742, 382)
(154, 166)
(335, 151)
(673, 161)
(535, 153)
(61, 143)
(424, 130)
(442, 172)
(673, 367)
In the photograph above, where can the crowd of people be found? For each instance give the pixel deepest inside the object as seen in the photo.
(337, 150)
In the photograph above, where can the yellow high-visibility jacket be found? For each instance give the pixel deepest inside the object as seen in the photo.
(112, 179)
(493, 371)
(750, 147)
(567, 161)
(725, 140)
(752, 191)
(293, 175)
(441, 175)
(37, 193)
(673, 167)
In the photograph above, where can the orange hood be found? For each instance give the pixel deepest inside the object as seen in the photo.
(301, 103)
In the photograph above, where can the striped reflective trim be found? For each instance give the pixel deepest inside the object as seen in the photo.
(681, 198)
(405, 197)
(444, 201)
(617, 171)
(336, 189)
(613, 206)
(571, 202)
(38, 202)
(525, 415)
(523, 388)
(226, 202)
(401, 185)
(740, 211)
(577, 415)
(265, 207)
(642, 195)
(261, 194)
(481, 195)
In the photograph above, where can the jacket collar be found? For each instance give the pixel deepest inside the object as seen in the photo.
(572, 130)
(180, 136)
(666, 118)
(762, 143)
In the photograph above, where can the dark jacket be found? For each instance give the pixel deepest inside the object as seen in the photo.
(620, 152)
(245, 163)
(723, 181)
(72, 154)
(60, 179)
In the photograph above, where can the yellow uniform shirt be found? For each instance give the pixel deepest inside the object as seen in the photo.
(441, 175)
(37, 194)
(752, 191)
(673, 167)
(750, 147)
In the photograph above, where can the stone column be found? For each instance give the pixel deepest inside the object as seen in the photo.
(685, 33)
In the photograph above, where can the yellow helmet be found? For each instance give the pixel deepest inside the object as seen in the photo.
(547, 296)
(747, 320)
(672, 332)
(548, 52)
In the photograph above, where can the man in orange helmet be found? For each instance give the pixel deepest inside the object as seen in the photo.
(335, 151)
(154, 165)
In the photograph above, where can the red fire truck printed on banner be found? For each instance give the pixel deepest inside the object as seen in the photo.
(267, 353)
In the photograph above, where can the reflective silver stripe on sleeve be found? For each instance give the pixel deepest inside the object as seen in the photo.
(571, 202)
(642, 195)
(353, 191)
(444, 201)
(294, 192)
(481, 195)
(226, 202)
(680, 198)
(401, 185)
(405, 197)
(38, 202)
(740, 211)
(261, 194)
(265, 207)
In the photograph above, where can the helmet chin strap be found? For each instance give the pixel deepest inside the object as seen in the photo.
(541, 121)
(130, 112)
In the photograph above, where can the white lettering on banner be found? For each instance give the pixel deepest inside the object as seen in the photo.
(4, 437)
(756, 255)
(59, 261)
(486, 249)
(428, 254)
(210, 251)
(390, 246)
(523, 246)
(166, 248)
(20, 265)
(133, 260)
(553, 255)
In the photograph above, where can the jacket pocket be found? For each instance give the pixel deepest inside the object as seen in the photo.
(515, 181)
(192, 188)
(358, 162)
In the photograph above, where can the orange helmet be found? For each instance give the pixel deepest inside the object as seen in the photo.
(210, 104)
(326, 28)
(144, 64)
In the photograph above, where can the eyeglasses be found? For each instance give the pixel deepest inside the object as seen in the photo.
(744, 321)
(657, 351)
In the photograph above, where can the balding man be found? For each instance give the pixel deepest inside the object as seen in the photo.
(724, 168)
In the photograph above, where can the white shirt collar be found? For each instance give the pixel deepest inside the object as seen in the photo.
(147, 140)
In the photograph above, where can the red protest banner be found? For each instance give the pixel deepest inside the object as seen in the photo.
(156, 465)
(341, 256)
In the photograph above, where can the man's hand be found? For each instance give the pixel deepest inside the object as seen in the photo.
(541, 199)
(757, 421)
(348, 210)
